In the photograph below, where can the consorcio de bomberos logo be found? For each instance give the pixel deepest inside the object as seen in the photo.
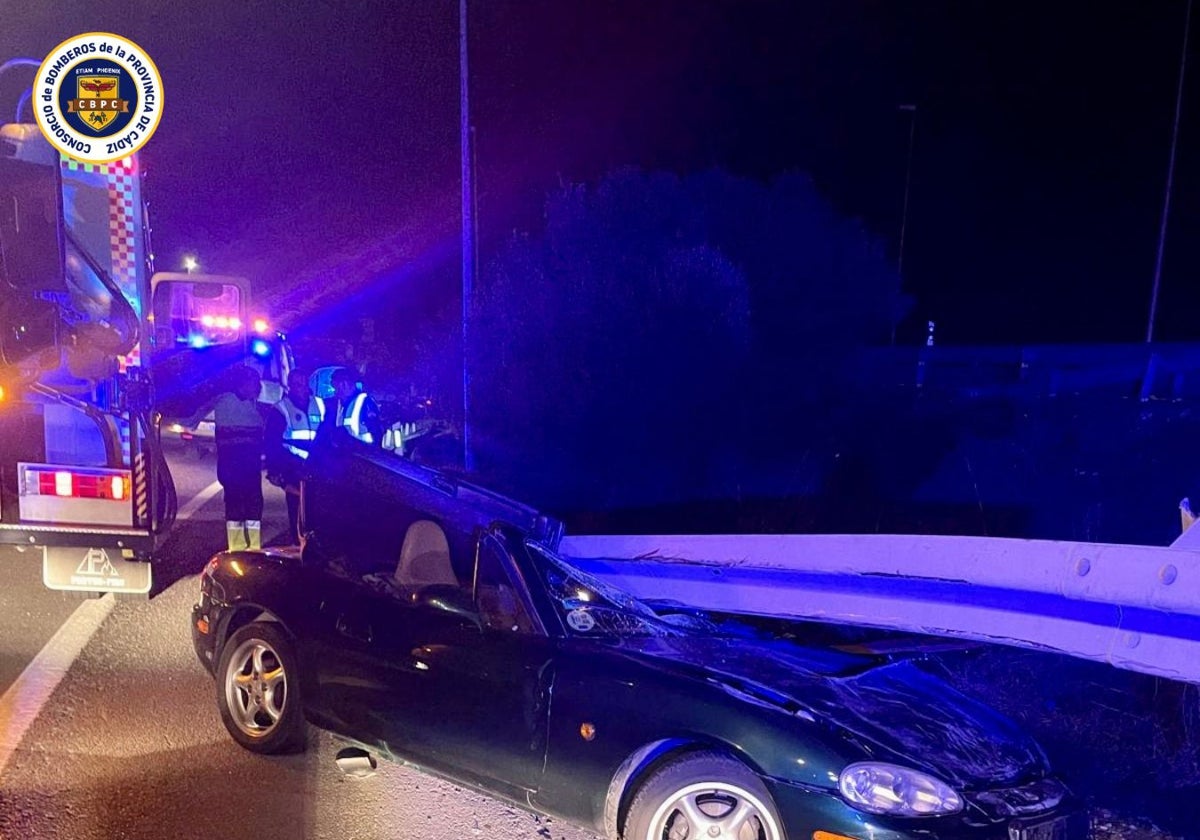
(98, 97)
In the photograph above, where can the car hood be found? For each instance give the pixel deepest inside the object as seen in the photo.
(898, 711)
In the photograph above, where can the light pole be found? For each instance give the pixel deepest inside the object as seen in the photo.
(912, 133)
(1162, 228)
(468, 233)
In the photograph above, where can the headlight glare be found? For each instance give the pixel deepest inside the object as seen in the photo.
(890, 789)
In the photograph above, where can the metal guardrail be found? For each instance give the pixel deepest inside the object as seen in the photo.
(1147, 371)
(1134, 607)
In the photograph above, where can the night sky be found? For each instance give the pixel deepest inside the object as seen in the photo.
(297, 134)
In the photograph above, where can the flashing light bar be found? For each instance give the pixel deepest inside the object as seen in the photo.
(221, 322)
(261, 326)
(260, 348)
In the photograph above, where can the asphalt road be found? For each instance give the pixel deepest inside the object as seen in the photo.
(129, 744)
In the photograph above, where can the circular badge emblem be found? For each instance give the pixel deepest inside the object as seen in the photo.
(98, 97)
(580, 620)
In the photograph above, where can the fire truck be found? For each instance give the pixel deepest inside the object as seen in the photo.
(94, 350)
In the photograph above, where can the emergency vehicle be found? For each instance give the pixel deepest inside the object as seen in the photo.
(94, 349)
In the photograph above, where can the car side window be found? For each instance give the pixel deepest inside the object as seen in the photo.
(497, 594)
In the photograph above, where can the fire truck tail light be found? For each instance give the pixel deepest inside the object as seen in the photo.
(78, 484)
(76, 495)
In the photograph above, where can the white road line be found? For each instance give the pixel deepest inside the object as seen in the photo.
(196, 502)
(24, 699)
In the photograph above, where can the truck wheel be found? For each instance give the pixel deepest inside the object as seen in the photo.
(258, 691)
(702, 795)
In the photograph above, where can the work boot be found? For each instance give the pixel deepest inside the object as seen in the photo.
(253, 533)
(236, 536)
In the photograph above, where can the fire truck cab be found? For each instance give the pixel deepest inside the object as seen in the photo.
(94, 349)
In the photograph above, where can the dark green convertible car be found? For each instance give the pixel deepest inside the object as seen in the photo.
(430, 621)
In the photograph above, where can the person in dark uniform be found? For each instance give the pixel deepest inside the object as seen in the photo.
(239, 439)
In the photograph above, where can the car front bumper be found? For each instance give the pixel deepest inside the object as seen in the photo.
(804, 812)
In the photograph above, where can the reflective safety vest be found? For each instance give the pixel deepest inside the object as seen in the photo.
(237, 422)
(301, 425)
(352, 420)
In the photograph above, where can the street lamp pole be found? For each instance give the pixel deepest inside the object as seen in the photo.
(912, 133)
(1162, 228)
(468, 232)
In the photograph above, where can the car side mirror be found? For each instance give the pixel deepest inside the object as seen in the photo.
(449, 599)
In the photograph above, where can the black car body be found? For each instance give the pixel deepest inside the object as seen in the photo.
(430, 621)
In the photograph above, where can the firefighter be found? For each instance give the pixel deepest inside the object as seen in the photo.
(291, 430)
(239, 438)
(356, 412)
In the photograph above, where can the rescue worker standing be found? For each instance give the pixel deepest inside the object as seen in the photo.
(239, 439)
(356, 413)
(291, 430)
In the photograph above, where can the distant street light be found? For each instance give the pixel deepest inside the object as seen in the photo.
(190, 263)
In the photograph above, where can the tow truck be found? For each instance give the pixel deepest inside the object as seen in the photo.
(95, 348)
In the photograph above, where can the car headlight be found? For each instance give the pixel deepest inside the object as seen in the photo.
(890, 789)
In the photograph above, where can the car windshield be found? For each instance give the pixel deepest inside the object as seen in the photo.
(591, 607)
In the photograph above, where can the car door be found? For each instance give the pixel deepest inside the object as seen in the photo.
(470, 691)
(353, 641)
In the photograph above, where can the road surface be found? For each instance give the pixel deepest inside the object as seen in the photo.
(129, 744)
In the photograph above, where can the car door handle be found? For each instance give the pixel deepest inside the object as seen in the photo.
(353, 630)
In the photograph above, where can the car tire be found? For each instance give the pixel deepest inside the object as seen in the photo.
(258, 690)
(706, 790)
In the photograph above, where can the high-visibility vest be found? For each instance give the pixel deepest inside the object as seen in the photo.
(237, 422)
(352, 420)
(301, 425)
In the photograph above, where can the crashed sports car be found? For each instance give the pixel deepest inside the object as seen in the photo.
(429, 621)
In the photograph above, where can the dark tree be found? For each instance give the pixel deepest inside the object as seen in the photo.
(620, 357)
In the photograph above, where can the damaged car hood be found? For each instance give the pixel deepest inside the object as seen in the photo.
(898, 711)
